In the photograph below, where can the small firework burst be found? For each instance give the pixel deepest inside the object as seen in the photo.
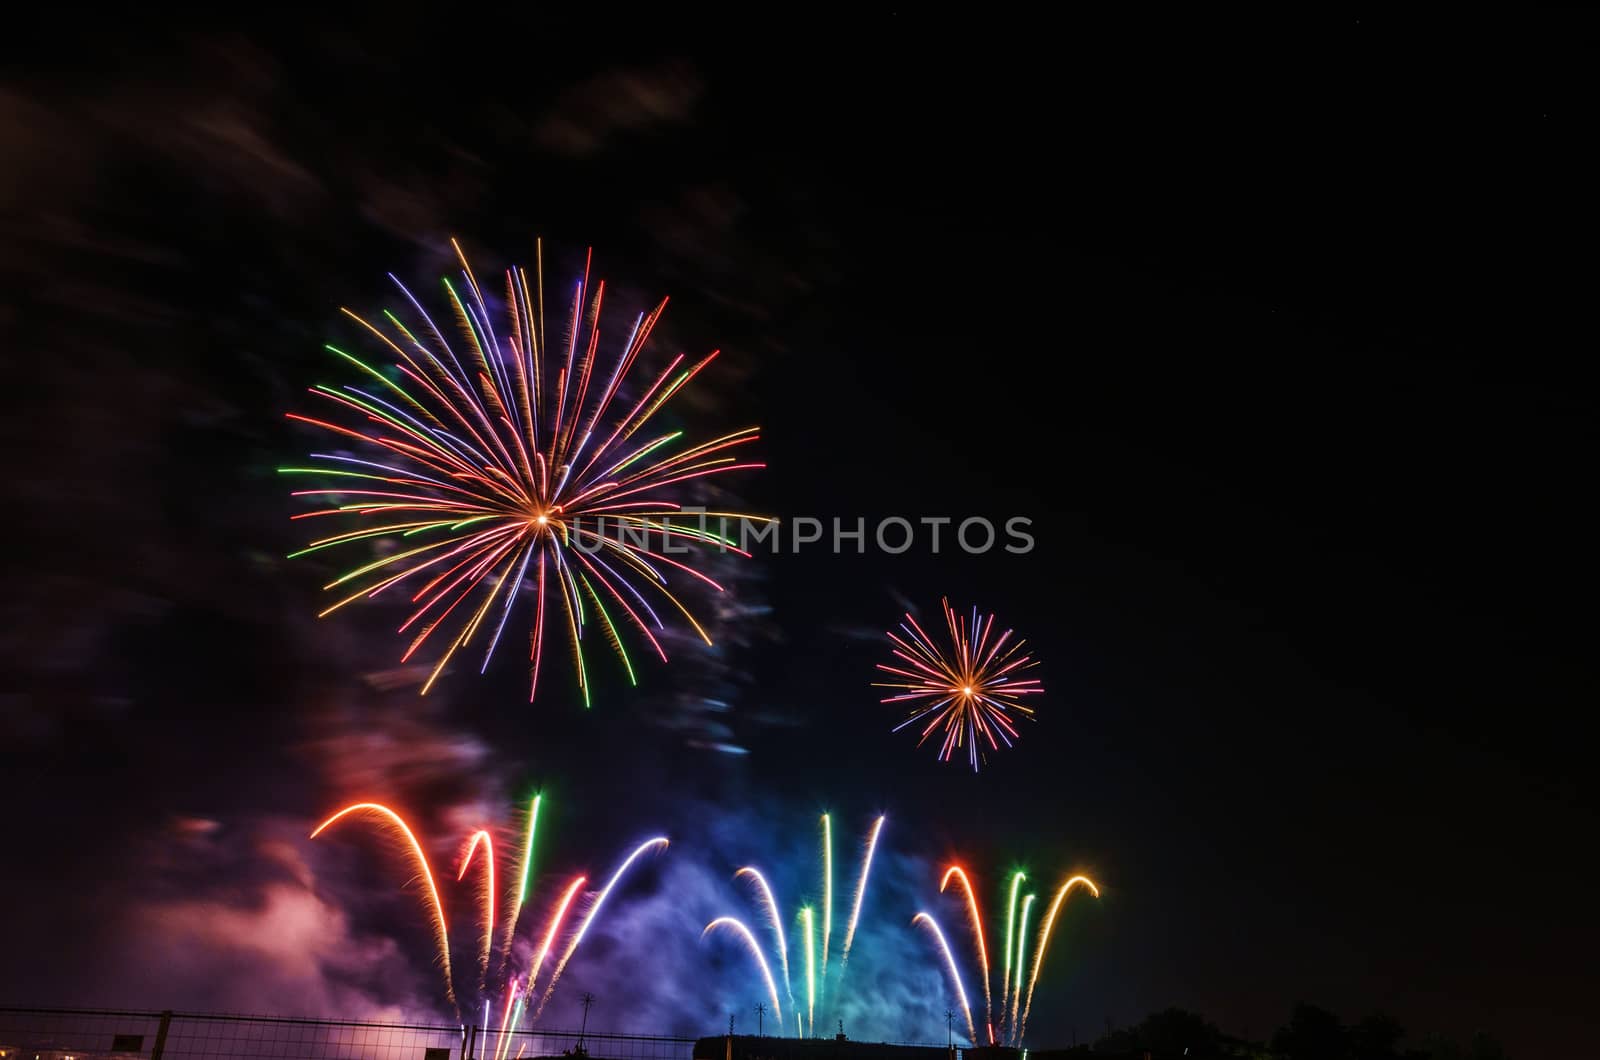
(968, 692)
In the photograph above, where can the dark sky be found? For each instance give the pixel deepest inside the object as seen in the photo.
(1277, 330)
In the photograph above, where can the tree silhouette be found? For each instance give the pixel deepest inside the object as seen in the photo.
(1376, 1038)
(1172, 1030)
(1312, 1034)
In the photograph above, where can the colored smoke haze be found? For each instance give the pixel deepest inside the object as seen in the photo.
(643, 958)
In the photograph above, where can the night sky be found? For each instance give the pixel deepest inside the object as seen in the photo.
(1278, 331)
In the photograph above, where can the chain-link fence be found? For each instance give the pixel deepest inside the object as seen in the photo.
(538, 1043)
(103, 1034)
(53, 1034)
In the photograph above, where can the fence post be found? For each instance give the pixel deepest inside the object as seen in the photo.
(161, 1035)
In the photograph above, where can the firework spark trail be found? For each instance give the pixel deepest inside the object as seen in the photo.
(861, 889)
(968, 691)
(557, 918)
(521, 895)
(816, 972)
(1044, 941)
(770, 902)
(827, 893)
(483, 839)
(491, 464)
(1011, 924)
(755, 951)
(955, 974)
(808, 932)
(511, 993)
(436, 907)
(957, 872)
(1022, 948)
(594, 911)
(516, 1020)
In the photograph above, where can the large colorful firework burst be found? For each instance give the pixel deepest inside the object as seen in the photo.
(484, 474)
(968, 693)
